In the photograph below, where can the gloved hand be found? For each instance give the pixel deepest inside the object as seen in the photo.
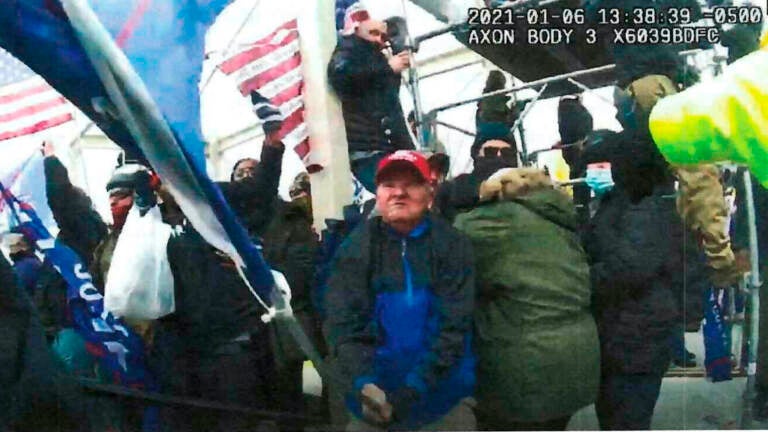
(267, 113)
(733, 273)
(599, 178)
(144, 194)
(403, 401)
(376, 409)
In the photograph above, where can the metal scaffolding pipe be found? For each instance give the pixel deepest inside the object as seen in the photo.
(572, 182)
(587, 89)
(456, 128)
(519, 122)
(540, 82)
(535, 154)
(527, 3)
(451, 69)
(754, 297)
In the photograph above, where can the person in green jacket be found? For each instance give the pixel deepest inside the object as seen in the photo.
(536, 339)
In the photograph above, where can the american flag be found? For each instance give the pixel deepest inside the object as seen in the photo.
(272, 66)
(27, 103)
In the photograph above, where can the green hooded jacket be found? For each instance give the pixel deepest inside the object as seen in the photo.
(537, 345)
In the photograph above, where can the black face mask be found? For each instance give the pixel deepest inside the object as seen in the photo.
(487, 166)
(18, 256)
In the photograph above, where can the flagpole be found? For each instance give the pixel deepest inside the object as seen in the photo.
(229, 45)
(148, 126)
(154, 137)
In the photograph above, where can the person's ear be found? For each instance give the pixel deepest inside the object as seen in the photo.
(431, 195)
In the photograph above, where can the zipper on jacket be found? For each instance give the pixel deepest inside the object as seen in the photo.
(407, 271)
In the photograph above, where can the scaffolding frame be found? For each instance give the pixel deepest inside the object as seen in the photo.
(431, 116)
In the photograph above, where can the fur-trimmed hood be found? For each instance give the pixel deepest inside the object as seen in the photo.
(532, 188)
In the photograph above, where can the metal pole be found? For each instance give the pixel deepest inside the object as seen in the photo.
(451, 69)
(456, 128)
(536, 153)
(82, 133)
(526, 3)
(754, 287)
(572, 182)
(587, 89)
(147, 125)
(413, 80)
(418, 113)
(519, 121)
(540, 82)
(230, 45)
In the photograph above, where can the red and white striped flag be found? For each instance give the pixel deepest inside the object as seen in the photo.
(272, 66)
(27, 103)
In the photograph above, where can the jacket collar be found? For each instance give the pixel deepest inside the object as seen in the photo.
(353, 42)
(419, 231)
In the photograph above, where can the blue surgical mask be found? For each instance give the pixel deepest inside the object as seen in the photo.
(599, 178)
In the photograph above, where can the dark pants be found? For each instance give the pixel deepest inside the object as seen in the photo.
(287, 388)
(677, 344)
(558, 424)
(235, 373)
(761, 376)
(626, 402)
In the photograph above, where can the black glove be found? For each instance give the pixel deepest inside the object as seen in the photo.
(403, 401)
(267, 113)
(144, 196)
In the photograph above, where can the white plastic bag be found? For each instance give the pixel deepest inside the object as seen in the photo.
(139, 281)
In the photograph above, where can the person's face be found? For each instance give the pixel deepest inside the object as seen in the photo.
(412, 126)
(373, 31)
(122, 198)
(246, 168)
(403, 197)
(494, 148)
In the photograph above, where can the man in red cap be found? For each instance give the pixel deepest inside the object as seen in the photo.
(368, 84)
(402, 295)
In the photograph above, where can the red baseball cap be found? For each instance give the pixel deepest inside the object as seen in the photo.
(405, 158)
(354, 15)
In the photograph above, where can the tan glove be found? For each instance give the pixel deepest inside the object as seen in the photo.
(376, 409)
(702, 207)
(734, 273)
(514, 182)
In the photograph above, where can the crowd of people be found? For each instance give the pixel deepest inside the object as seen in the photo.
(496, 300)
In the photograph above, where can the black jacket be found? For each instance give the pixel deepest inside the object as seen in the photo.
(36, 394)
(370, 100)
(213, 304)
(636, 253)
(290, 247)
(80, 225)
(81, 228)
(457, 195)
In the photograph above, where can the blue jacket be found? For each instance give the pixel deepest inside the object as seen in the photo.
(400, 316)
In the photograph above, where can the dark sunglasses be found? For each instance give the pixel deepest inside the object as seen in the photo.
(504, 152)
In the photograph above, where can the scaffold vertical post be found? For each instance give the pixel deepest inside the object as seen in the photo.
(754, 300)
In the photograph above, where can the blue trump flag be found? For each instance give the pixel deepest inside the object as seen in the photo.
(118, 349)
(133, 66)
